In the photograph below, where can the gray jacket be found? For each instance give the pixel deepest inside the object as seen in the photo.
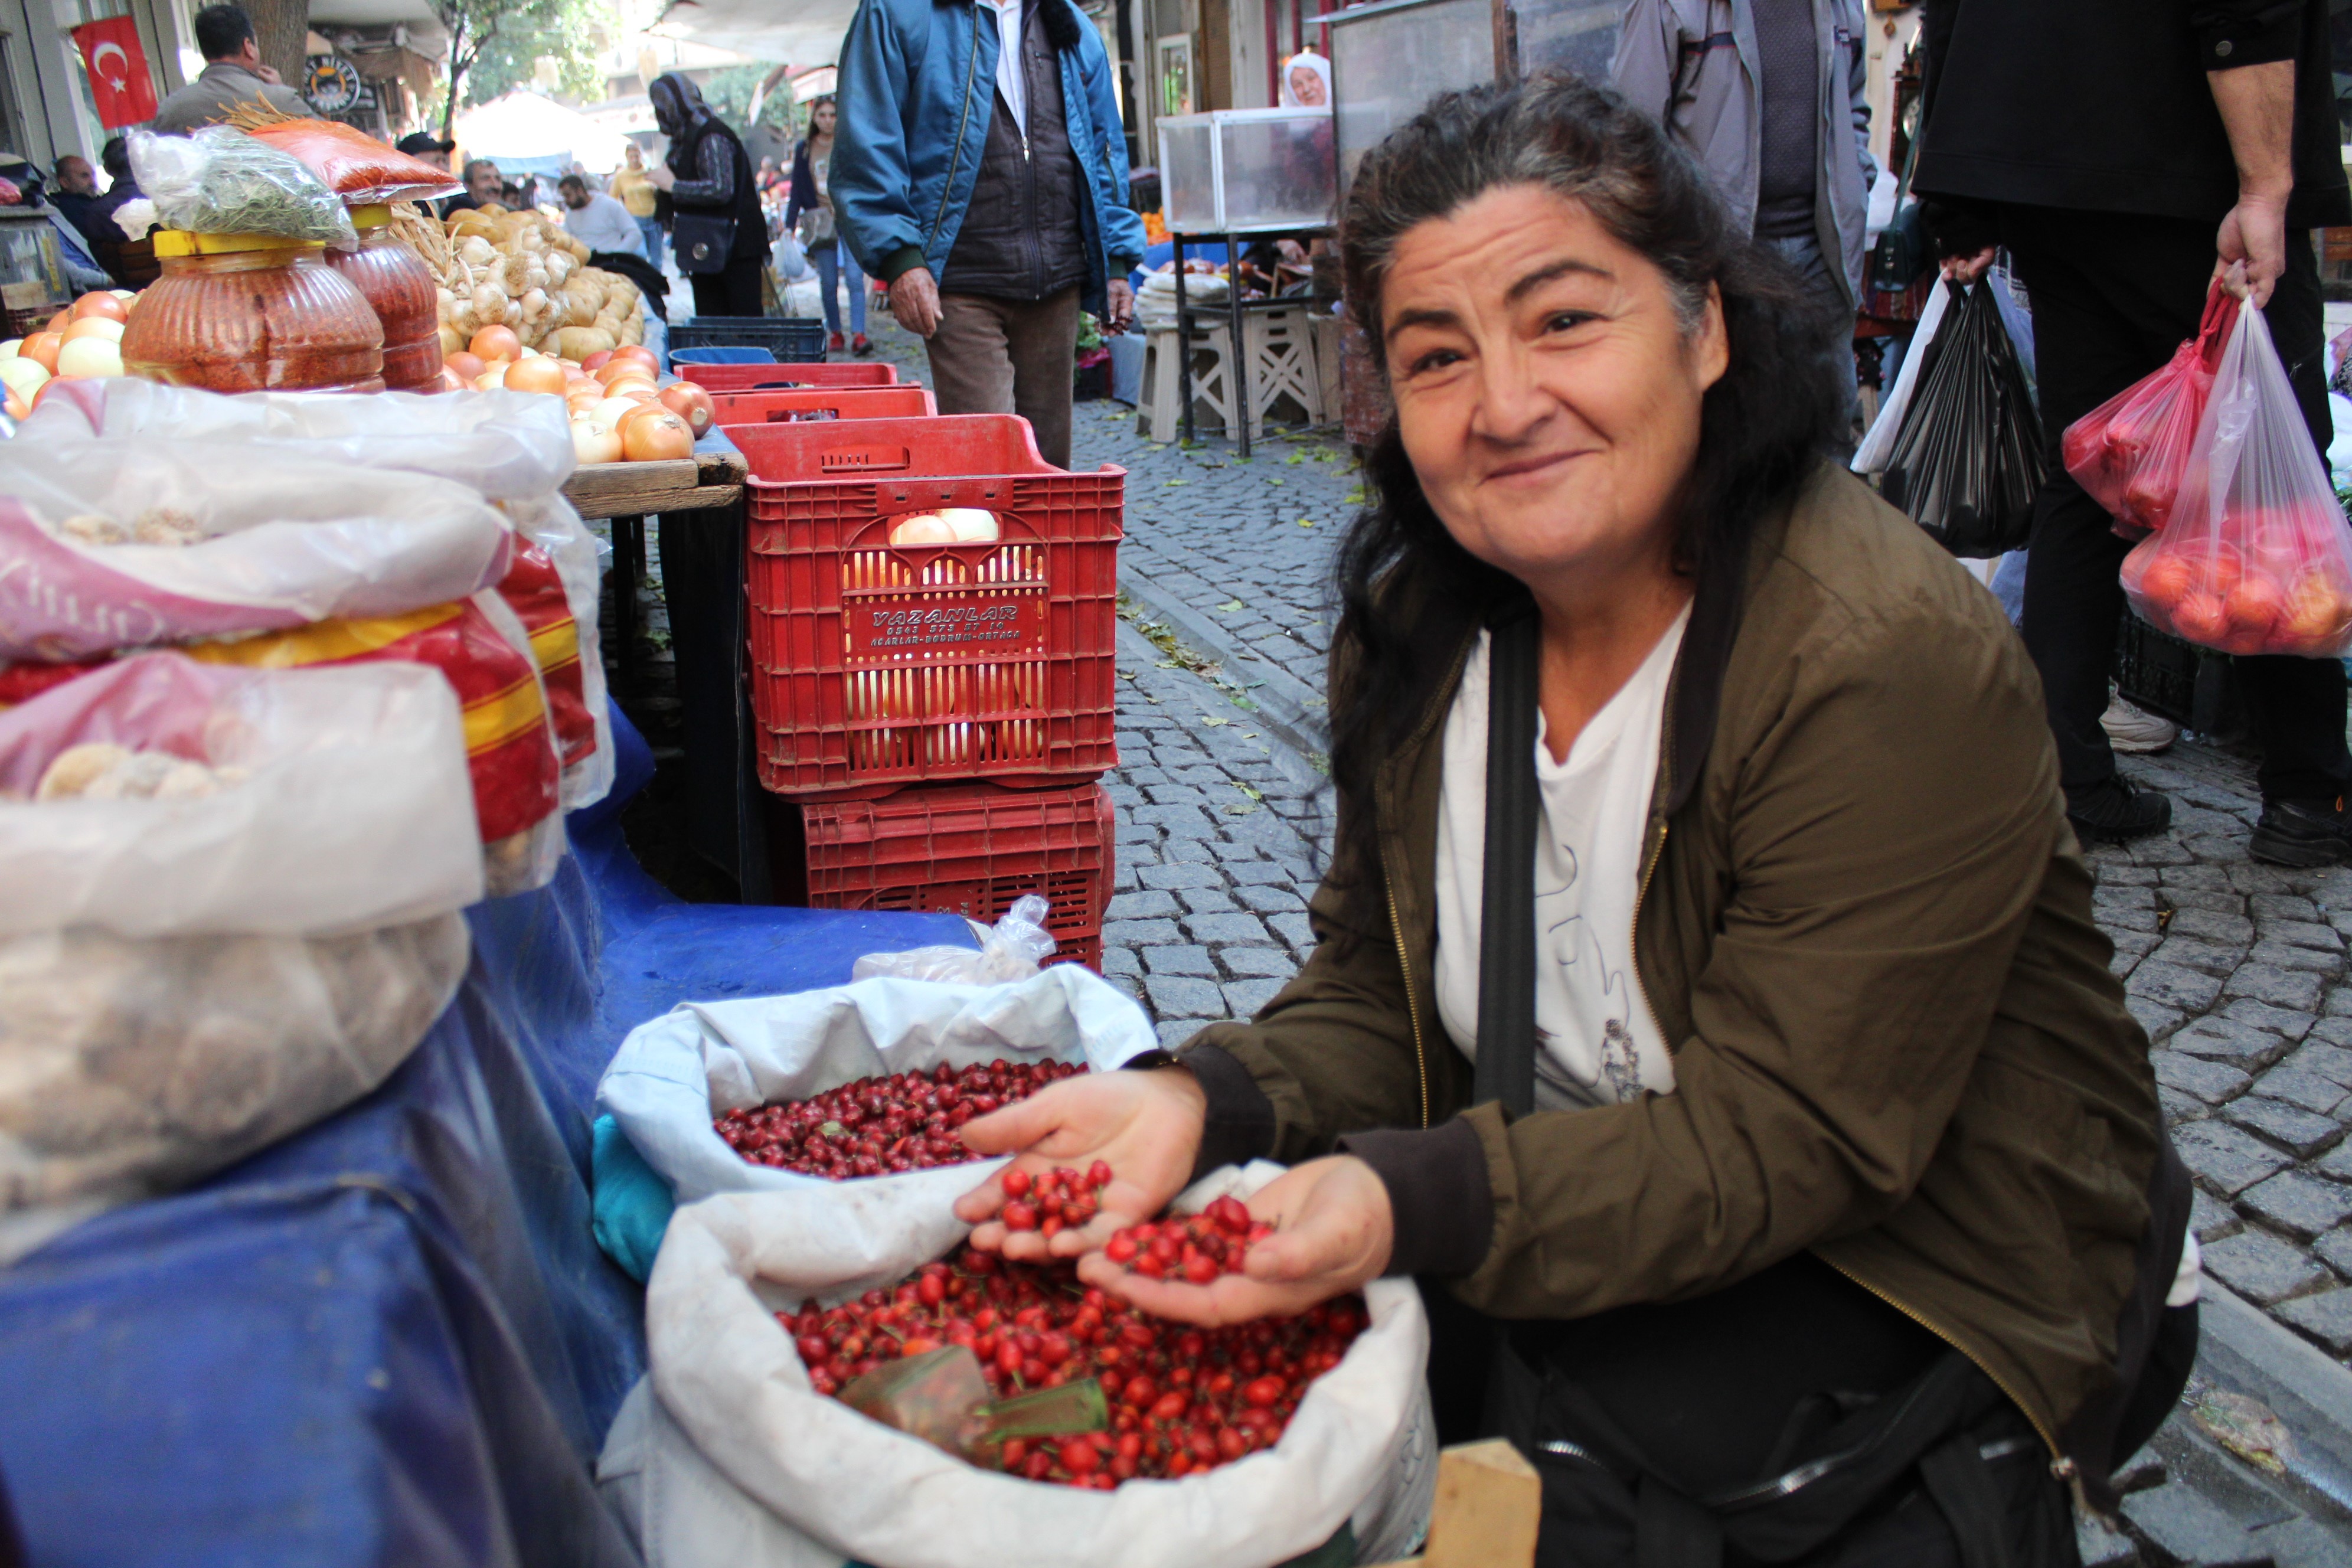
(220, 87)
(1693, 64)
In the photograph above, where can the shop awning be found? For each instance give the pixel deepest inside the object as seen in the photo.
(529, 128)
(806, 32)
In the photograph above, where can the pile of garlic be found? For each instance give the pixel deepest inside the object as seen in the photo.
(518, 271)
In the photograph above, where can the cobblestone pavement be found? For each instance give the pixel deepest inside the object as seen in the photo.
(2235, 969)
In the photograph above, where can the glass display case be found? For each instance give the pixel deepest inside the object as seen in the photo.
(1233, 170)
(1387, 60)
(1566, 34)
(1390, 58)
(30, 255)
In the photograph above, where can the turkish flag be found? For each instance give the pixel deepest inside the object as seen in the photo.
(122, 88)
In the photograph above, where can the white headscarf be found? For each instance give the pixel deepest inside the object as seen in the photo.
(1307, 60)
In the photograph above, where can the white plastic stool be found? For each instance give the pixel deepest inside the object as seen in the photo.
(1283, 366)
(1160, 417)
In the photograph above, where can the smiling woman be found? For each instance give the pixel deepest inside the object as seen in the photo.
(1707, 1003)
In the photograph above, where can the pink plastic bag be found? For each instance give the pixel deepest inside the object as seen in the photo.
(2130, 452)
(2256, 557)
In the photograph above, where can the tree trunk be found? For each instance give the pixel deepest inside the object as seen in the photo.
(280, 27)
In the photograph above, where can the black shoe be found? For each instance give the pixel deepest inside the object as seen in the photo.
(2116, 809)
(2303, 833)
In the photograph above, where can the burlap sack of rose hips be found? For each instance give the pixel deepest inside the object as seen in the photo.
(687, 1088)
(727, 1455)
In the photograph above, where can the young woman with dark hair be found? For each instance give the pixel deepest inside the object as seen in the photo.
(1706, 1003)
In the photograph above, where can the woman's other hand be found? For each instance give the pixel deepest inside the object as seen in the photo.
(1333, 1233)
(1146, 1126)
(661, 176)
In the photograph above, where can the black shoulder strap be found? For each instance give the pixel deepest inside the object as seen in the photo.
(1507, 922)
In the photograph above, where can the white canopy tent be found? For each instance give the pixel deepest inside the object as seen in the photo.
(530, 130)
(806, 32)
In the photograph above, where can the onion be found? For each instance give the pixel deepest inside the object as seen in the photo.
(971, 524)
(496, 342)
(643, 356)
(922, 528)
(102, 304)
(41, 348)
(23, 375)
(8, 349)
(464, 363)
(537, 373)
(89, 356)
(690, 402)
(612, 410)
(595, 362)
(654, 434)
(595, 445)
(105, 327)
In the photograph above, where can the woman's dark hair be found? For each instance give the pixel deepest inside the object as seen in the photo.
(1760, 425)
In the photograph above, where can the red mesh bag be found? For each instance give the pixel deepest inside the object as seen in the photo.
(2129, 452)
(2255, 557)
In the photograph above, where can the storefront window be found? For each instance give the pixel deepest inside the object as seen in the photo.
(12, 121)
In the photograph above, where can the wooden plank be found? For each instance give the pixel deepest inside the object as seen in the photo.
(680, 484)
(1489, 1504)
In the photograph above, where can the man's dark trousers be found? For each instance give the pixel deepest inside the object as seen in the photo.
(2113, 296)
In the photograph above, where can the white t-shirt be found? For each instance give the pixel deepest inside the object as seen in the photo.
(1598, 1043)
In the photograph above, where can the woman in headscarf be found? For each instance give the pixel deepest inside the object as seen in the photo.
(717, 232)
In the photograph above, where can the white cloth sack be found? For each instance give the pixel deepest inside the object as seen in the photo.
(185, 981)
(358, 811)
(293, 540)
(505, 445)
(673, 1075)
(734, 1458)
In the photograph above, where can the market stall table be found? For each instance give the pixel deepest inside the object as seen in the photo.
(625, 494)
(391, 1339)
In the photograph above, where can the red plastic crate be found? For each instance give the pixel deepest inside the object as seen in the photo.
(822, 403)
(747, 377)
(875, 666)
(970, 849)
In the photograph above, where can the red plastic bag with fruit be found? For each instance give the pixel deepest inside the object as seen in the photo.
(2130, 452)
(2255, 558)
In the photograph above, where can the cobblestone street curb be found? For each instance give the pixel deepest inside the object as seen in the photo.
(1292, 709)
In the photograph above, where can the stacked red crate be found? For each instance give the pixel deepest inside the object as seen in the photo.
(907, 678)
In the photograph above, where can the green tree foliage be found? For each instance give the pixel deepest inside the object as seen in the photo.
(730, 91)
(495, 45)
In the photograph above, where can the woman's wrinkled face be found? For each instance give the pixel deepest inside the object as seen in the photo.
(1306, 86)
(1547, 392)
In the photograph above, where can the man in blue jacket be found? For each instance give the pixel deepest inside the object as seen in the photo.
(981, 172)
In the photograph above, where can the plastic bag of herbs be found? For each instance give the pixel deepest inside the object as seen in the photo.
(219, 180)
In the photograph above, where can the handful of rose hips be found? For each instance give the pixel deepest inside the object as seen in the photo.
(880, 1126)
(1182, 1399)
(1196, 1248)
(1058, 1199)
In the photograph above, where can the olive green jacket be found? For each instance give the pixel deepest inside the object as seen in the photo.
(1865, 928)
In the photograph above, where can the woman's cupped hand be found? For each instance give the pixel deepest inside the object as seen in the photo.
(1332, 1227)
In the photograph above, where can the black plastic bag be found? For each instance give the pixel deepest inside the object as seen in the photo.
(1968, 457)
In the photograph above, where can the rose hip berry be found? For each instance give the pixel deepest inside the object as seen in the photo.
(880, 1126)
(1183, 1399)
(1195, 1248)
(1060, 1199)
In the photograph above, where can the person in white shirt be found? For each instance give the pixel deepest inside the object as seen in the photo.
(597, 220)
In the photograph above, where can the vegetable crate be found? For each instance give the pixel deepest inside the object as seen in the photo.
(970, 849)
(875, 666)
(813, 403)
(718, 378)
(789, 338)
(2190, 685)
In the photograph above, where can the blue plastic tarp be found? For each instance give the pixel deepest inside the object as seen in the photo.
(391, 1339)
